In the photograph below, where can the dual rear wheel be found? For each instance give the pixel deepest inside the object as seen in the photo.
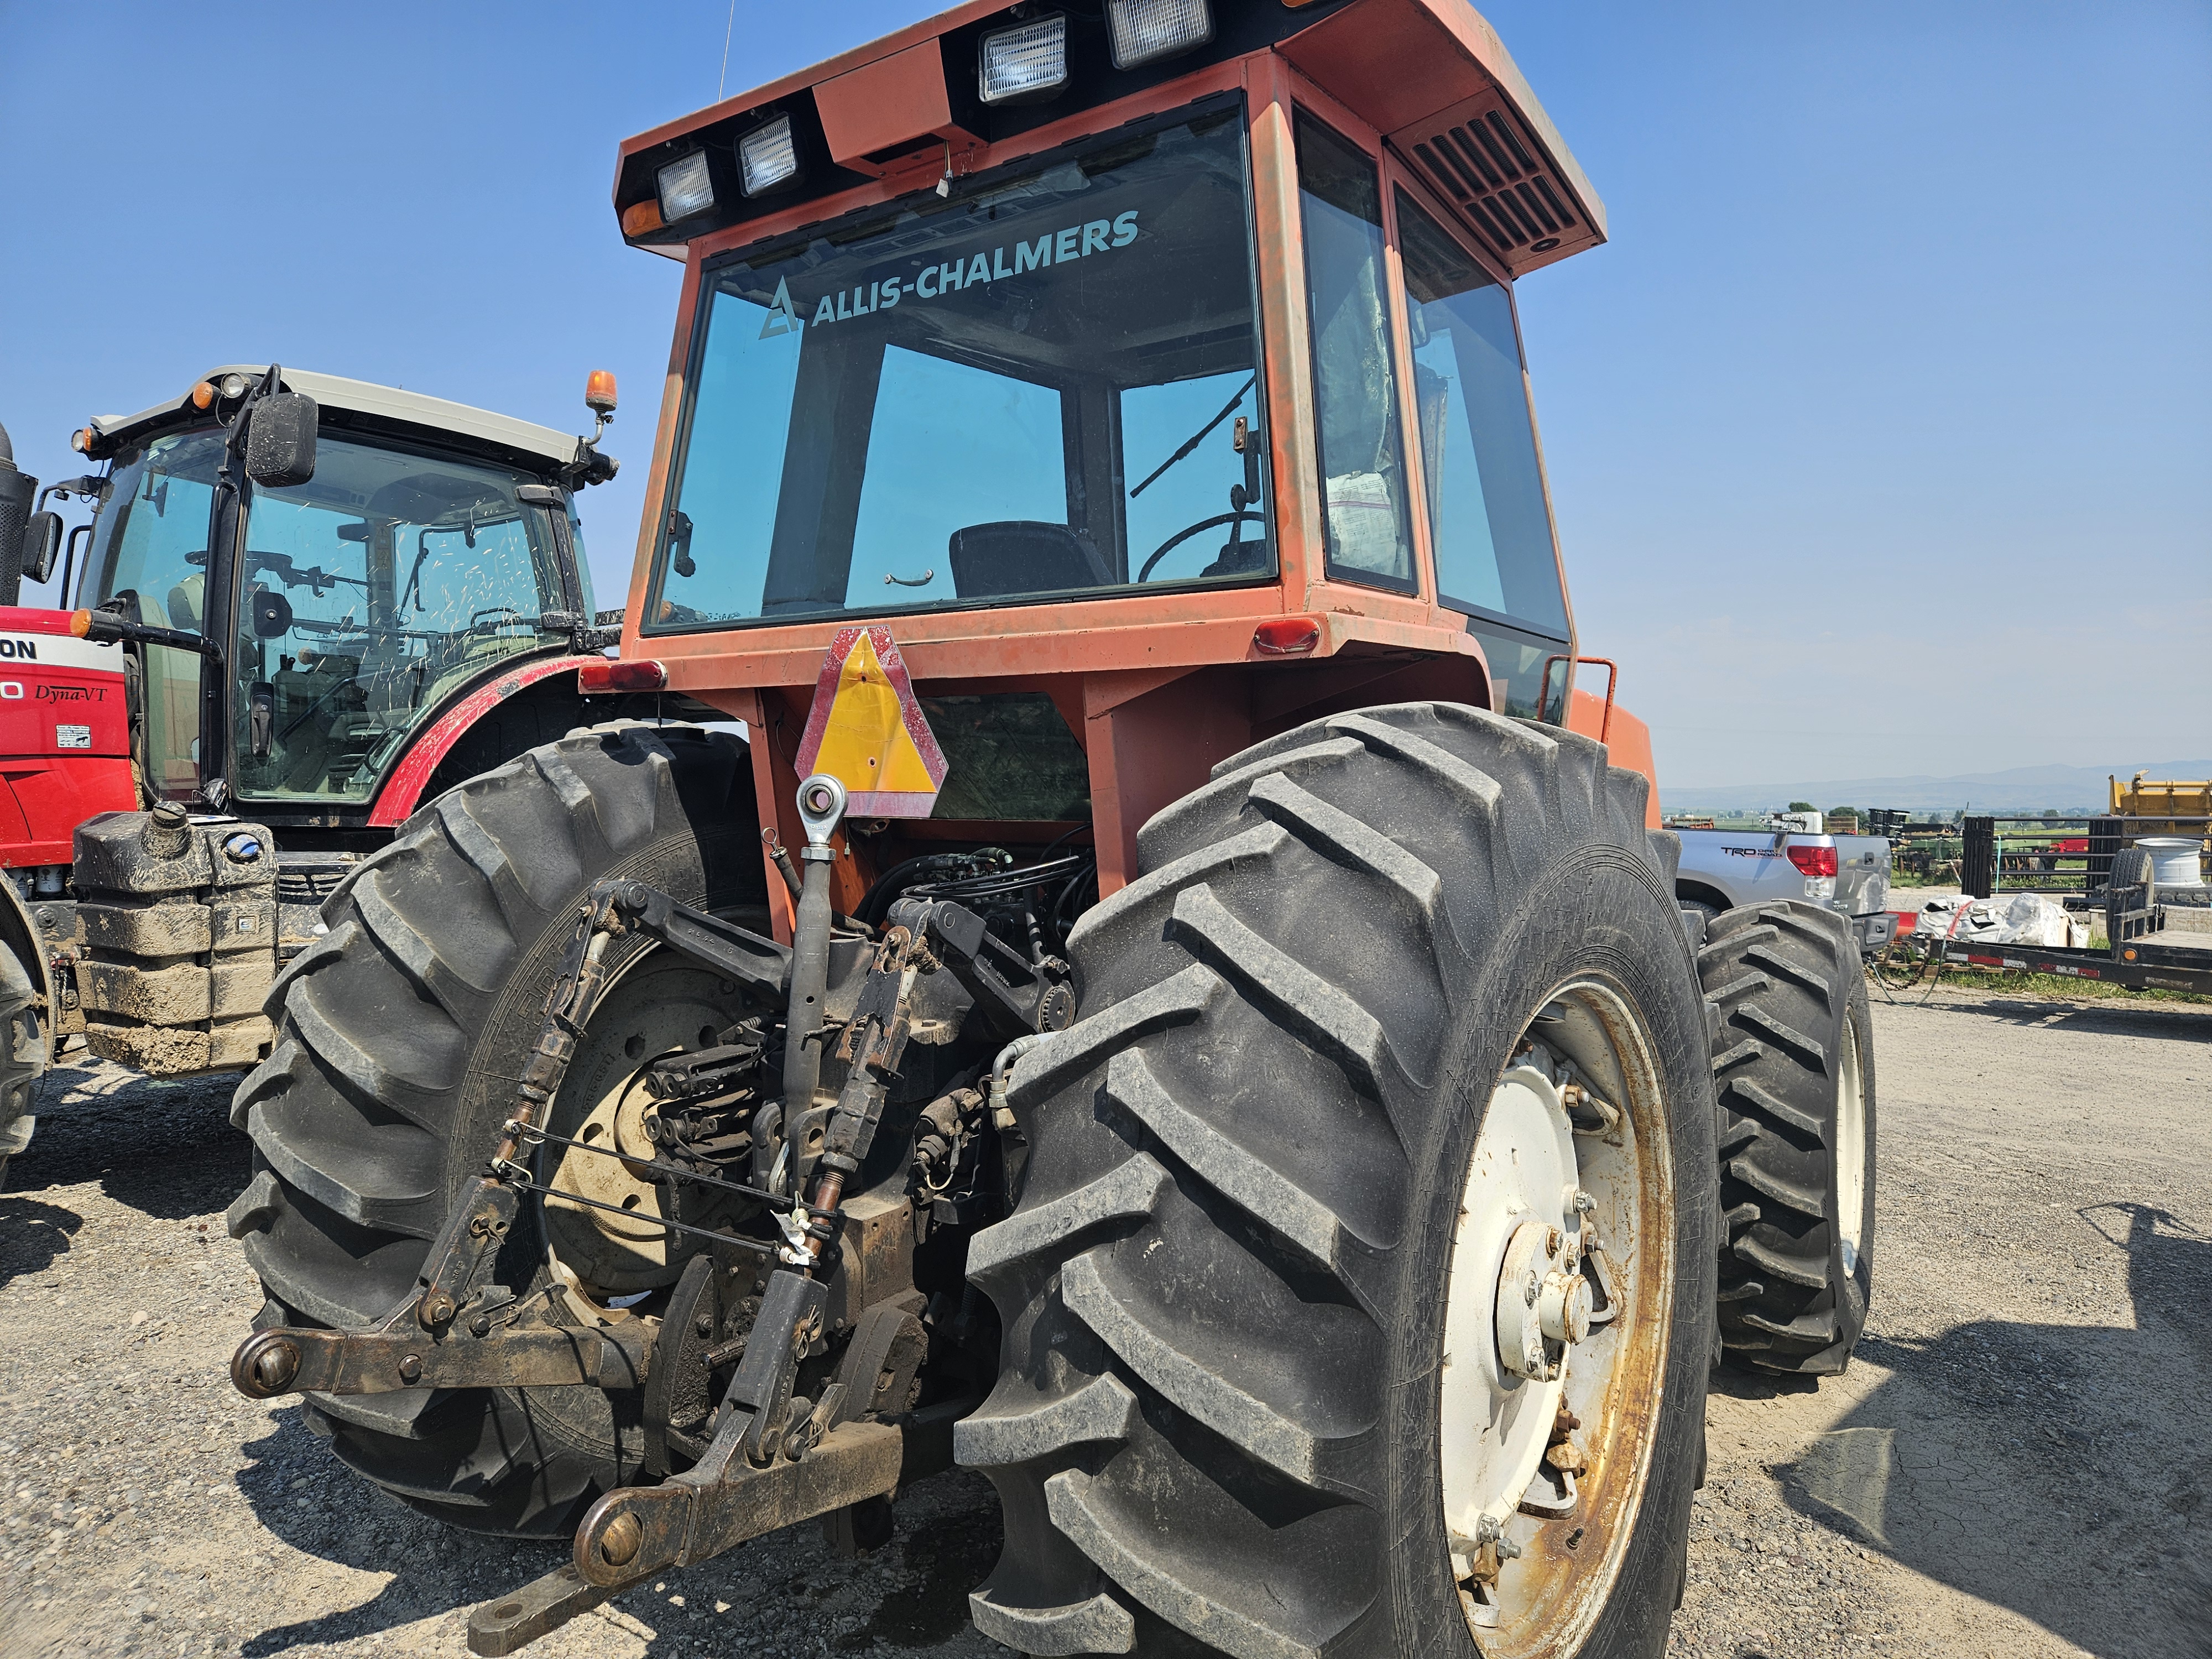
(1362, 1285)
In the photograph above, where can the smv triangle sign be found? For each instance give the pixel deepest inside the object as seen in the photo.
(866, 729)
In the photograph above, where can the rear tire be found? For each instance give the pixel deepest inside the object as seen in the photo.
(400, 1035)
(1794, 1070)
(1223, 1291)
(23, 1057)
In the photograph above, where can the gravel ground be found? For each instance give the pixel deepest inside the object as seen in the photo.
(2013, 1467)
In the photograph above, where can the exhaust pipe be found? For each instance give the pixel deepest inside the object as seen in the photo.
(17, 491)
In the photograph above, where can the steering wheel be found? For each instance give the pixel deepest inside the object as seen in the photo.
(1183, 536)
(477, 618)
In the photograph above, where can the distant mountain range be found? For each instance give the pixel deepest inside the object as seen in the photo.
(2022, 789)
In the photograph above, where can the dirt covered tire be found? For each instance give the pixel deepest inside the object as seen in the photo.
(23, 1057)
(1216, 1428)
(1793, 1067)
(398, 1039)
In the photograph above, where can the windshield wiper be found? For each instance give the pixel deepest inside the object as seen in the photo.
(1197, 437)
(314, 576)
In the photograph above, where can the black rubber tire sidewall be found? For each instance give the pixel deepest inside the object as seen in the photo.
(1587, 920)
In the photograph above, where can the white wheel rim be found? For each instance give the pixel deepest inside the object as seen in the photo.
(1534, 1551)
(1849, 1149)
(1496, 1424)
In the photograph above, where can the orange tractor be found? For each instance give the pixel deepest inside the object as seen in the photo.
(1175, 1001)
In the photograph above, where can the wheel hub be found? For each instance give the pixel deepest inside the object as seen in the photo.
(623, 1248)
(1543, 1300)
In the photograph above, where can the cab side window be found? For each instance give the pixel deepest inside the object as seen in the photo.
(1363, 469)
(1488, 517)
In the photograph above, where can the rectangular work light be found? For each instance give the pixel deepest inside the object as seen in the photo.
(685, 187)
(1026, 63)
(1146, 31)
(769, 157)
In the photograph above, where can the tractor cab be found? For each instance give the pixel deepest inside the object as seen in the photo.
(1184, 349)
(428, 546)
(310, 605)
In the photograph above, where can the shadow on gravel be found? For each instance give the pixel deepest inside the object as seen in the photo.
(2057, 1470)
(33, 1234)
(2175, 1022)
(164, 1148)
(948, 1559)
(301, 1495)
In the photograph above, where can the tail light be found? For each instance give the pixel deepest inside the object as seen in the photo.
(1286, 636)
(1812, 861)
(616, 674)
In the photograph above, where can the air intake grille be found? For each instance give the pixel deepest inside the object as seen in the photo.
(1484, 162)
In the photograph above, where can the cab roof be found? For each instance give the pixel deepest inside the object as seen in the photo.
(372, 410)
(1432, 76)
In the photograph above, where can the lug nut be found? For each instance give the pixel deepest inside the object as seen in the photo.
(619, 1543)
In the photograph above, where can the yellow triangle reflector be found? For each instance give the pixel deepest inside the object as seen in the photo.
(866, 730)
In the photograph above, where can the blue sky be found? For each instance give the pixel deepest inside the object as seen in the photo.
(1880, 435)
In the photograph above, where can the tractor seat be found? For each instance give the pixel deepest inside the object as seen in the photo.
(1021, 556)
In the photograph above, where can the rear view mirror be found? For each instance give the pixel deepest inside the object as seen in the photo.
(42, 545)
(280, 445)
(272, 615)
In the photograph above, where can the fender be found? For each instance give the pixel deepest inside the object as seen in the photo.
(1627, 738)
(402, 790)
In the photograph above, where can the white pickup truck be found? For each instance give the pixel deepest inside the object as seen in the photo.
(1791, 858)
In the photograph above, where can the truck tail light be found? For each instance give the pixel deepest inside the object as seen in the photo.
(1812, 861)
(616, 674)
(1287, 636)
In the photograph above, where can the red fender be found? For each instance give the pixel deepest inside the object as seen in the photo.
(404, 789)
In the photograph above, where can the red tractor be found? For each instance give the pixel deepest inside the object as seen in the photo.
(1226, 1061)
(397, 599)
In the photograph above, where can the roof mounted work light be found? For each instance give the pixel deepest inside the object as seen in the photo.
(769, 157)
(1146, 31)
(685, 187)
(1024, 65)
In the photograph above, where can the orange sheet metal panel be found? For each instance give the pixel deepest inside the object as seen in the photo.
(1628, 742)
(885, 106)
(1403, 63)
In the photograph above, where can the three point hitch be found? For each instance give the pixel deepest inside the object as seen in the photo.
(757, 1455)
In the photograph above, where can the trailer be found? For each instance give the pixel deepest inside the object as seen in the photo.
(2134, 911)
(2138, 965)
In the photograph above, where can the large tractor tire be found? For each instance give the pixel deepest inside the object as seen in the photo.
(22, 1057)
(1793, 1069)
(399, 1038)
(1249, 1312)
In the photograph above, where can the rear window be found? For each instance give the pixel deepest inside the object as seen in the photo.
(1035, 389)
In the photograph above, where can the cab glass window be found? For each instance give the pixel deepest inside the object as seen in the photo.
(1487, 514)
(1370, 539)
(150, 554)
(371, 594)
(1028, 391)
